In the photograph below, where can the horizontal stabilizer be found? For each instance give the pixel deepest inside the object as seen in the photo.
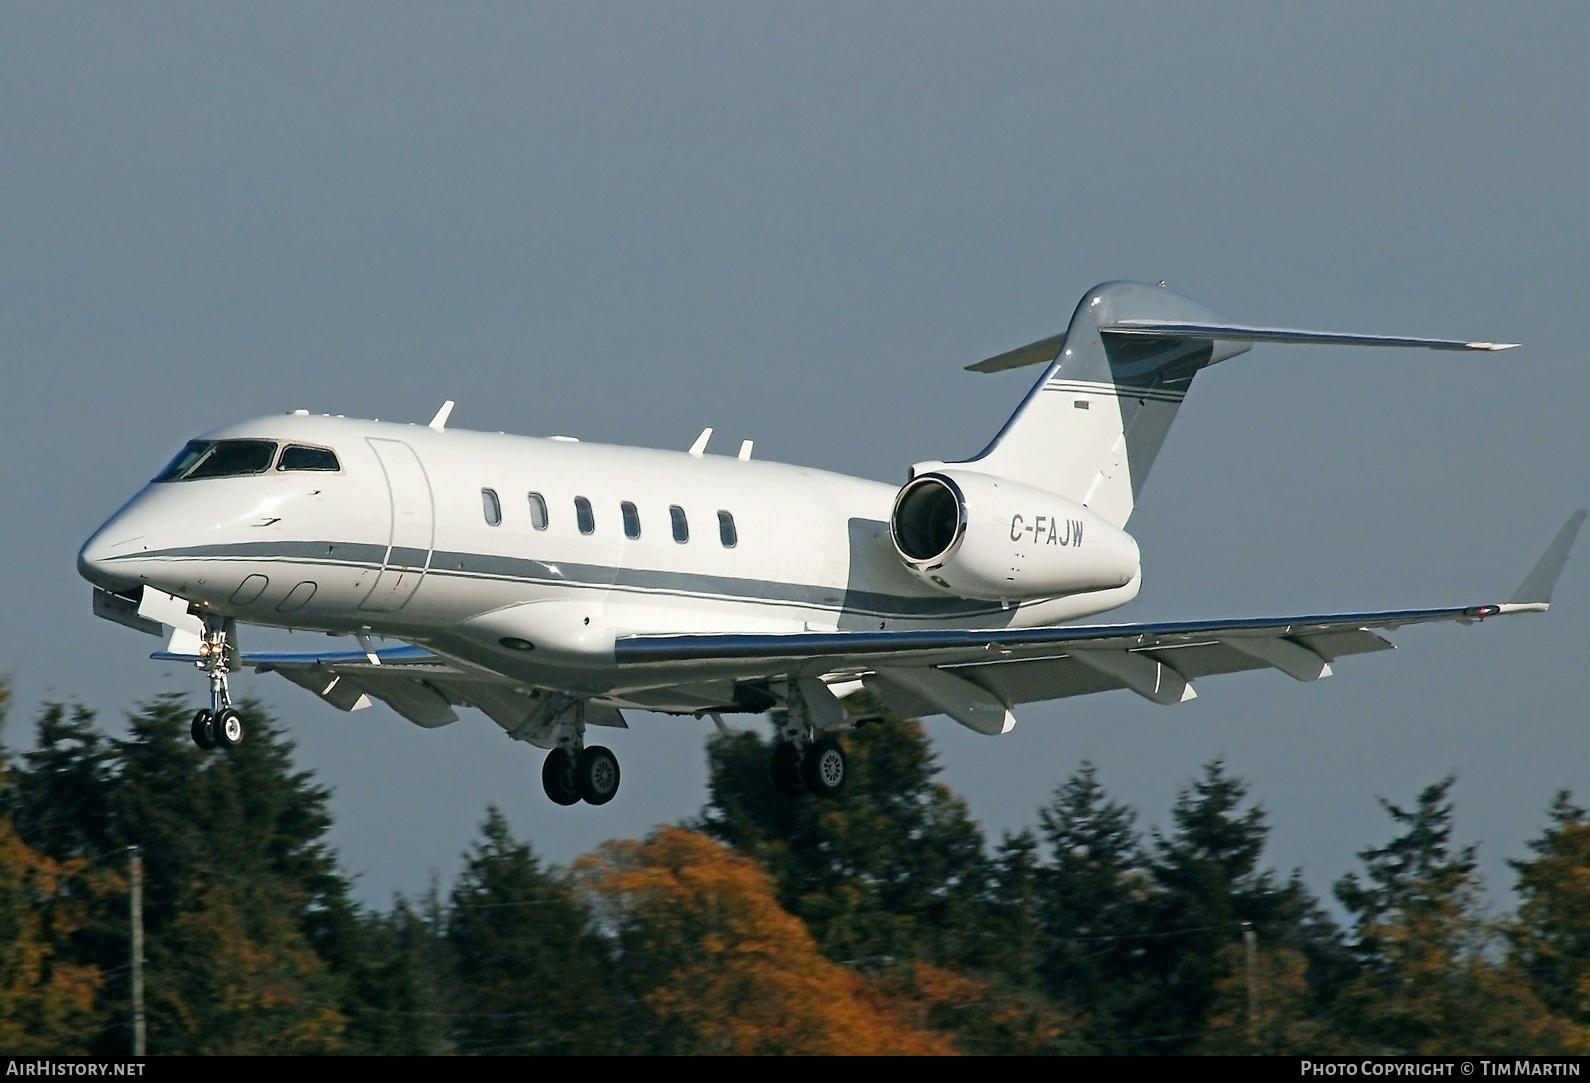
(1034, 353)
(1240, 333)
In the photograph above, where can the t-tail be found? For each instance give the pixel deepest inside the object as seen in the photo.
(1093, 425)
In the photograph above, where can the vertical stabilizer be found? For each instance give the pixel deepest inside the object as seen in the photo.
(1092, 427)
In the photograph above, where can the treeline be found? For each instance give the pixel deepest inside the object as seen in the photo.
(878, 922)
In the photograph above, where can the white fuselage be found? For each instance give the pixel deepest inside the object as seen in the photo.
(396, 542)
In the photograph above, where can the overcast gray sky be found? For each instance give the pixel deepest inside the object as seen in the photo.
(797, 223)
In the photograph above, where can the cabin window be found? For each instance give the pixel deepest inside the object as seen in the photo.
(538, 511)
(219, 459)
(583, 515)
(295, 457)
(681, 524)
(726, 532)
(491, 506)
(631, 519)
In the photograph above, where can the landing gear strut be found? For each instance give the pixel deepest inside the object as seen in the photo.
(575, 771)
(220, 724)
(803, 762)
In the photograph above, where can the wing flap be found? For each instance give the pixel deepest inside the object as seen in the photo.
(414, 699)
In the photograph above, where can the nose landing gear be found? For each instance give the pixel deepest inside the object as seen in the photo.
(220, 724)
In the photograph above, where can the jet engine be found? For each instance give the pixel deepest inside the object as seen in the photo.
(977, 536)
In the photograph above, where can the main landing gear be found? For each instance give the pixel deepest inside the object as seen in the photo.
(220, 724)
(575, 771)
(803, 763)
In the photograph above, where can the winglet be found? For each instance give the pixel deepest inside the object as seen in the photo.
(1535, 590)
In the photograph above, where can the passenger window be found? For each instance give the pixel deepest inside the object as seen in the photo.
(538, 511)
(492, 507)
(631, 519)
(308, 458)
(681, 524)
(726, 532)
(582, 514)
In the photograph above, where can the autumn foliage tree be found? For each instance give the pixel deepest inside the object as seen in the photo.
(47, 1001)
(721, 967)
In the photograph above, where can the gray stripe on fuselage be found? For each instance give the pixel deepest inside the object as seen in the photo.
(630, 580)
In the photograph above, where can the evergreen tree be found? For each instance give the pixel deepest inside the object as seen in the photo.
(1210, 889)
(240, 887)
(1094, 893)
(62, 792)
(1551, 935)
(401, 986)
(1013, 914)
(534, 976)
(891, 870)
(1430, 982)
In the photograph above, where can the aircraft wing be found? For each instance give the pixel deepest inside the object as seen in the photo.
(418, 684)
(976, 676)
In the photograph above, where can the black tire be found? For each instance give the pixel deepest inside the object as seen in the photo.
(825, 767)
(203, 730)
(228, 728)
(557, 778)
(785, 769)
(597, 773)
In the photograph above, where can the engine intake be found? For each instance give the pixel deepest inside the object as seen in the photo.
(977, 536)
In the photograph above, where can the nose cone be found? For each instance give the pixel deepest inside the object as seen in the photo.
(111, 557)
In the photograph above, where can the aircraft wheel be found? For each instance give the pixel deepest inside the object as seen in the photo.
(557, 778)
(785, 769)
(203, 730)
(228, 728)
(597, 774)
(825, 767)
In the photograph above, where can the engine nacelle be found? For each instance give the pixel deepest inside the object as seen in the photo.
(978, 536)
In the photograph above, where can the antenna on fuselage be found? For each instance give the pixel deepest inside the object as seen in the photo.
(699, 448)
(439, 422)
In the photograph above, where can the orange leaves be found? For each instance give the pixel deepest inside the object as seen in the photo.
(45, 1001)
(255, 986)
(728, 969)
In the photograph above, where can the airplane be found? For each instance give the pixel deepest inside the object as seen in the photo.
(553, 584)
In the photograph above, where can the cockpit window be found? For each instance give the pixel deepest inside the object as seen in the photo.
(308, 458)
(220, 459)
(191, 453)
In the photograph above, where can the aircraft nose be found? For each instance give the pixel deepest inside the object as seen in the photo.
(108, 559)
